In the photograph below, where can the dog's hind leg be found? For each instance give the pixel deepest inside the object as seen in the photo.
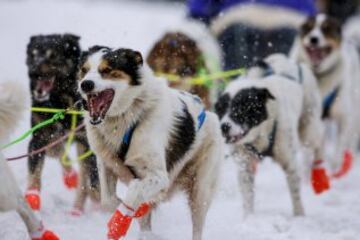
(35, 164)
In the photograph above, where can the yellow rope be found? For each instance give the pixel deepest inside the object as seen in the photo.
(64, 159)
(85, 155)
(55, 110)
(204, 79)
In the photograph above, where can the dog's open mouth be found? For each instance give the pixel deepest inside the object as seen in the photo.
(43, 89)
(98, 105)
(318, 54)
(231, 139)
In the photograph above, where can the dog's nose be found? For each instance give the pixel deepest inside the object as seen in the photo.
(225, 128)
(87, 86)
(314, 40)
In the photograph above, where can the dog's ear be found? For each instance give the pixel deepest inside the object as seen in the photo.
(137, 58)
(71, 38)
(265, 94)
(71, 45)
(35, 38)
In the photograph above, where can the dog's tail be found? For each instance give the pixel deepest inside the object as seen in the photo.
(12, 105)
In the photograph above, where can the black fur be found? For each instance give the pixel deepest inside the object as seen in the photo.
(247, 108)
(55, 56)
(222, 105)
(181, 139)
(126, 60)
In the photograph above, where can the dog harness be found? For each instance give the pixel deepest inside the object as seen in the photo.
(269, 150)
(328, 101)
(268, 71)
(126, 140)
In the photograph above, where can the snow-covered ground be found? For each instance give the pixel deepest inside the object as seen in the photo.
(331, 216)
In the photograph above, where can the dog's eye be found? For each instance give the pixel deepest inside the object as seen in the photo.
(306, 28)
(35, 52)
(49, 53)
(83, 70)
(105, 70)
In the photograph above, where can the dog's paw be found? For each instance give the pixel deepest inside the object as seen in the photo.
(70, 178)
(32, 197)
(118, 225)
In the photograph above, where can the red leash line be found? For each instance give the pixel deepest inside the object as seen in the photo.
(50, 145)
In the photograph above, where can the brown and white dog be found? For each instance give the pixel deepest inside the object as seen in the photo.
(12, 104)
(336, 65)
(187, 51)
(154, 138)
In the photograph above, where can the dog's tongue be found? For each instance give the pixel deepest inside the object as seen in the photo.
(316, 55)
(97, 104)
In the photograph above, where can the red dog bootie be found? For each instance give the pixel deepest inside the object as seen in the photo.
(43, 234)
(70, 178)
(32, 197)
(319, 179)
(346, 164)
(120, 221)
(142, 210)
(47, 235)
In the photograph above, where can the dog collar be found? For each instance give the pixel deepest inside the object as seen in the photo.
(268, 71)
(269, 150)
(328, 101)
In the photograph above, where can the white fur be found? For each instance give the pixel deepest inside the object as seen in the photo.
(12, 104)
(154, 105)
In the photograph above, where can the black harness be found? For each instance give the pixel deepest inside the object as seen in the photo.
(267, 151)
(268, 71)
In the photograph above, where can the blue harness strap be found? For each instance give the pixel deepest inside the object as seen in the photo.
(201, 118)
(128, 134)
(328, 101)
(126, 140)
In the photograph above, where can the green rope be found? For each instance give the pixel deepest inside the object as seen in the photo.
(56, 117)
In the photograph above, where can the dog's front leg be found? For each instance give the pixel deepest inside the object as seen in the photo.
(293, 179)
(246, 165)
(153, 179)
(108, 180)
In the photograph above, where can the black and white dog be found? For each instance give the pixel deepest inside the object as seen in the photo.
(12, 105)
(273, 111)
(336, 65)
(53, 62)
(154, 138)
